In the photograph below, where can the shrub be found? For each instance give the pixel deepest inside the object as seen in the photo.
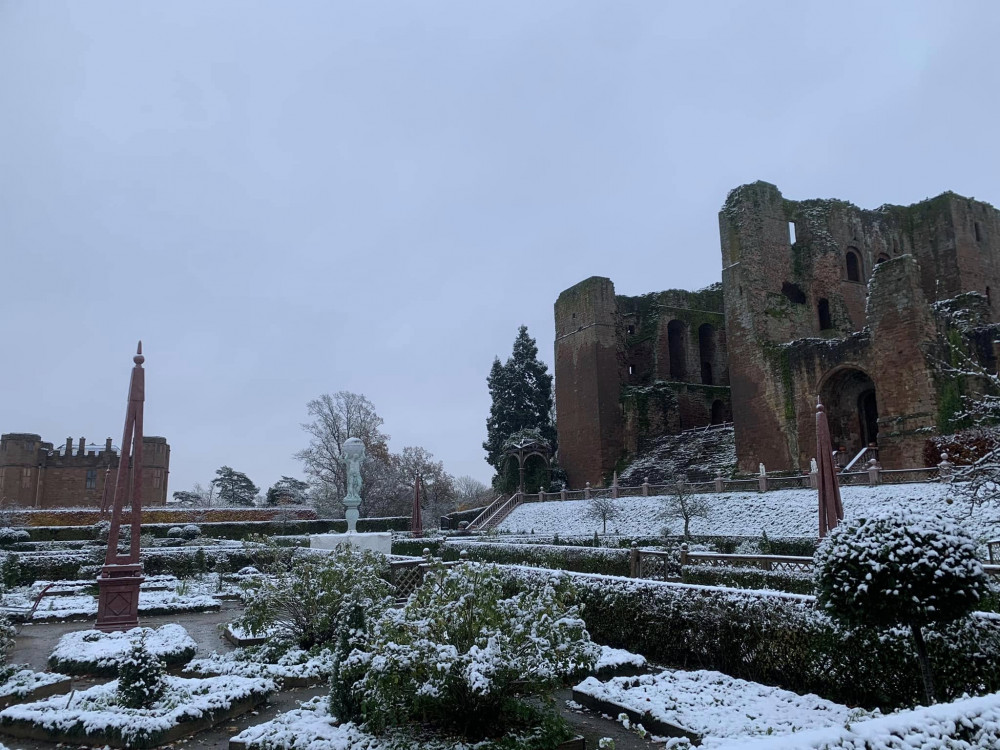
(302, 605)
(101, 530)
(175, 532)
(13, 536)
(606, 561)
(900, 570)
(140, 676)
(190, 532)
(462, 653)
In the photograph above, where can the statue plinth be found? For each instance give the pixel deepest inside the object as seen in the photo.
(118, 600)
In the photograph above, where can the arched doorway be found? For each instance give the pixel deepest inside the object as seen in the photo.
(706, 348)
(851, 402)
(718, 412)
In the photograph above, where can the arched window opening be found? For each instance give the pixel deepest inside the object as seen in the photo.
(677, 349)
(979, 234)
(706, 348)
(988, 300)
(849, 396)
(853, 266)
(882, 258)
(718, 412)
(823, 308)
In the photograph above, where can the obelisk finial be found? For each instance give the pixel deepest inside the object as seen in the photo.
(138, 358)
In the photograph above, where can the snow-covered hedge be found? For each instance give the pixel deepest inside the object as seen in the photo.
(748, 578)
(778, 639)
(967, 724)
(97, 653)
(613, 562)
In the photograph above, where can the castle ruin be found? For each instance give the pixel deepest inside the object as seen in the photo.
(35, 474)
(818, 298)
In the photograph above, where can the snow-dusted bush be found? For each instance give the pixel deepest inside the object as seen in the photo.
(140, 676)
(101, 530)
(900, 570)
(175, 532)
(462, 653)
(302, 606)
(190, 532)
(779, 639)
(12, 536)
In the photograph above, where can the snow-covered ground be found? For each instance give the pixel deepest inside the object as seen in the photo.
(966, 724)
(248, 662)
(781, 513)
(716, 706)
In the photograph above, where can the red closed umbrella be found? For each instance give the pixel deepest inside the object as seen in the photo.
(416, 522)
(831, 510)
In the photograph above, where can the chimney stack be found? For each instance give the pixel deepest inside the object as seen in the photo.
(107, 445)
(69, 447)
(81, 450)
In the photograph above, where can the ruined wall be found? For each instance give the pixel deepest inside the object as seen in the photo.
(629, 369)
(588, 372)
(804, 301)
(33, 474)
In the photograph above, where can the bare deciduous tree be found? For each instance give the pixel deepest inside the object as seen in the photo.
(336, 418)
(602, 509)
(683, 505)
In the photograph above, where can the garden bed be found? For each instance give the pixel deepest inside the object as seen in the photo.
(293, 669)
(93, 717)
(710, 707)
(28, 685)
(311, 726)
(95, 653)
(71, 603)
(241, 638)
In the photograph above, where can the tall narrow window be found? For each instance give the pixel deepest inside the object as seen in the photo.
(979, 235)
(823, 308)
(91, 483)
(677, 349)
(706, 348)
(791, 233)
(853, 266)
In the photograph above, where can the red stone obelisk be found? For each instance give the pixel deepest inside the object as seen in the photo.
(118, 583)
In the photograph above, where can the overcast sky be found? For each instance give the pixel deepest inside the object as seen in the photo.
(284, 199)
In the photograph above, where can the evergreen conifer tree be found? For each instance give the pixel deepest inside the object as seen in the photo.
(521, 393)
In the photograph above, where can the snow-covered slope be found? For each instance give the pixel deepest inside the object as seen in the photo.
(779, 513)
(698, 454)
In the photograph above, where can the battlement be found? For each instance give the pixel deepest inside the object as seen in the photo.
(34, 473)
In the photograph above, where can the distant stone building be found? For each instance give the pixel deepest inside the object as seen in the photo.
(818, 298)
(34, 474)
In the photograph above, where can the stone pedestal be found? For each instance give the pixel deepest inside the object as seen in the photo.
(376, 542)
(118, 600)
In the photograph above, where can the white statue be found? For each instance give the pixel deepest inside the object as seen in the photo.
(813, 467)
(763, 471)
(354, 456)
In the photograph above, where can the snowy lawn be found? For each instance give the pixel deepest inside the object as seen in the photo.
(94, 652)
(781, 513)
(715, 706)
(967, 724)
(94, 717)
(293, 668)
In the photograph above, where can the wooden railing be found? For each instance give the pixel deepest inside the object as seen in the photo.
(495, 512)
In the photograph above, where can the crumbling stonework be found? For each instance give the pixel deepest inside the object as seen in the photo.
(819, 298)
(33, 474)
(629, 369)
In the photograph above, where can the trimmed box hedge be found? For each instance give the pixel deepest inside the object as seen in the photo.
(780, 639)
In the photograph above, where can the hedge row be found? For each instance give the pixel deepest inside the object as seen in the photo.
(577, 559)
(231, 529)
(173, 516)
(748, 578)
(795, 546)
(780, 639)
